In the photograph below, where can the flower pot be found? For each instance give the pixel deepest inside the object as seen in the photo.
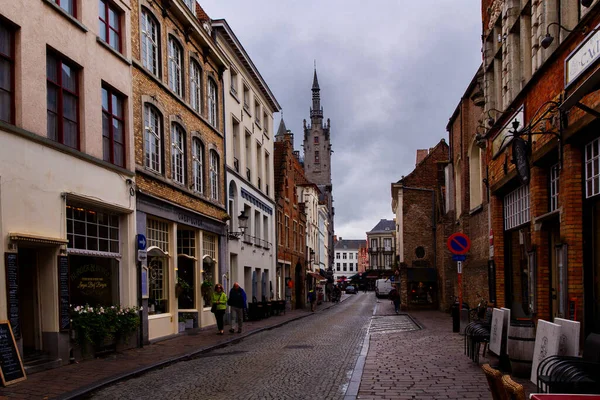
(181, 326)
(189, 324)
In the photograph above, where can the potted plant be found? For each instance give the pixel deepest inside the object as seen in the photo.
(181, 286)
(189, 320)
(181, 324)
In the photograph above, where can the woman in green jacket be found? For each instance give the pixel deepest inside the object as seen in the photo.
(219, 304)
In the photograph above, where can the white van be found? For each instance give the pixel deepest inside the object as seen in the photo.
(383, 287)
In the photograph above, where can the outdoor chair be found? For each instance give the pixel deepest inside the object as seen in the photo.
(514, 390)
(476, 334)
(494, 379)
(561, 374)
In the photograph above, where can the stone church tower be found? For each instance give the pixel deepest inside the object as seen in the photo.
(317, 157)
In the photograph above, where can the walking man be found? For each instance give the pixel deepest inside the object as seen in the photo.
(237, 302)
(312, 299)
(395, 297)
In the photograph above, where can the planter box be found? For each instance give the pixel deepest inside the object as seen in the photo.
(189, 324)
(181, 326)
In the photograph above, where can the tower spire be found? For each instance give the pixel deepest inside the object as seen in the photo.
(316, 112)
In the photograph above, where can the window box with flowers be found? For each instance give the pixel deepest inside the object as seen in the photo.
(102, 329)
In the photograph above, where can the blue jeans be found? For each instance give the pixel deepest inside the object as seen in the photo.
(397, 305)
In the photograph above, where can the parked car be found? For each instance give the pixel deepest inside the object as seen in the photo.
(351, 289)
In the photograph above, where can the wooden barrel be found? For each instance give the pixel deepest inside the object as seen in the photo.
(521, 342)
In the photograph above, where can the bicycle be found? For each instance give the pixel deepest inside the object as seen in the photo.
(477, 313)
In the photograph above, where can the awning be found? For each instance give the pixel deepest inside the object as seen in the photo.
(24, 237)
(316, 276)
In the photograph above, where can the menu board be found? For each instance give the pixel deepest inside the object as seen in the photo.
(12, 291)
(11, 366)
(63, 293)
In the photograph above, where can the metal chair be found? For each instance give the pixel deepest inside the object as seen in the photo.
(514, 391)
(494, 379)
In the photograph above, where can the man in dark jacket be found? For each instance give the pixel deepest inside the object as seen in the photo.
(237, 302)
(395, 297)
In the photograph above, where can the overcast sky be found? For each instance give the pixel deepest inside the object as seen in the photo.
(391, 74)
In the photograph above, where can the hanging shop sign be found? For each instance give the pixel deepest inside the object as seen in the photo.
(582, 58)
(520, 159)
(503, 138)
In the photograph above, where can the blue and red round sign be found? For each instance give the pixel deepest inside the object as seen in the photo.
(458, 243)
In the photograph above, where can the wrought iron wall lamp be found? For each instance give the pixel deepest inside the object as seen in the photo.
(548, 39)
(242, 225)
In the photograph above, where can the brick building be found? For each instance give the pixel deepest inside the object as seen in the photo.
(465, 207)
(542, 100)
(291, 218)
(416, 200)
(179, 158)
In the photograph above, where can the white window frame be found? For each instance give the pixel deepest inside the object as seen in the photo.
(212, 103)
(198, 165)
(554, 181)
(516, 208)
(177, 153)
(175, 66)
(214, 175)
(149, 46)
(152, 139)
(157, 233)
(195, 86)
(93, 228)
(592, 168)
(191, 5)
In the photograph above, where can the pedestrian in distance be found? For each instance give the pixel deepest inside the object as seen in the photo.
(395, 297)
(365, 288)
(219, 305)
(237, 302)
(312, 299)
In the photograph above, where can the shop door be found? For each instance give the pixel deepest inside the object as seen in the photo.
(28, 300)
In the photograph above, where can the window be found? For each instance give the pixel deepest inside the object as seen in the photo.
(92, 230)
(67, 5)
(351, 256)
(152, 139)
(63, 101)
(157, 233)
(175, 66)
(344, 256)
(592, 168)
(279, 228)
(113, 137)
(337, 256)
(516, 208)
(475, 177)
(198, 165)
(295, 234)
(387, 244)
(214, 175)
(345, 267)
(554, 176)
(186, 248)
(195, 86)
(110, 24)
(177, 153)
(246, 99)
(257, 111)
(350, 267)
(149, 43)
(287, 231)
(265, 123)
(234, 82)
(373, 244)
(7, 68)
(191, 4)
(212, 103)
(316, 157)
(338, 266)
(316, 140)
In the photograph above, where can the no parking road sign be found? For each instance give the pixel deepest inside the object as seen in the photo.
(458, 243)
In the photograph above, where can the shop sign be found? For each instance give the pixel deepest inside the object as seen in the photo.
(503, 138)
(521, 160)
(582, 58)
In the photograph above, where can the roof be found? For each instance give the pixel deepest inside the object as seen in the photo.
(223, 27)
(349, 244)
(282, 129)
(201, 14)
(384, 226)
(442, 143)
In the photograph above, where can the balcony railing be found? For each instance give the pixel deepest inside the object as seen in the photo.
(236, 164)
(255, 240)
(386, 249)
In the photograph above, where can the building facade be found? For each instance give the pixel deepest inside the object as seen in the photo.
(382, 245)
(317, 160)
(67, 187)
(292, 263)
(542, 149)
(178, 120)
(415, 201)
(346, 257)
(249, 108)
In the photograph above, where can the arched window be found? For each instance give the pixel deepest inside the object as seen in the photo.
(177, 153)
(150, 42)
(475, 193)
(214, 175)
(198, 165)
(195, 86)
(152, 139)
(175, 66)
(212, 103)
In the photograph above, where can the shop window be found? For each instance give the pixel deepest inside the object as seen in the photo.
(92, 230)
(516, 208)
(186, 251)
(157, 233)
(554, 174)
(209, 264)
(592, 168)
(93, 280)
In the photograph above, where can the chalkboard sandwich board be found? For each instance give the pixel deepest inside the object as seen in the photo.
(11, 366)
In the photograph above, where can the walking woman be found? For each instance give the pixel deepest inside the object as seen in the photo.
(219, 304)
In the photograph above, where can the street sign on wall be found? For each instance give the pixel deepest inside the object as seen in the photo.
(458, 243)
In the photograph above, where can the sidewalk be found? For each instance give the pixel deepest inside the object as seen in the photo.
(75, 380)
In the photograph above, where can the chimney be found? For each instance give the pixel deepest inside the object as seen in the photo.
(421, 154)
